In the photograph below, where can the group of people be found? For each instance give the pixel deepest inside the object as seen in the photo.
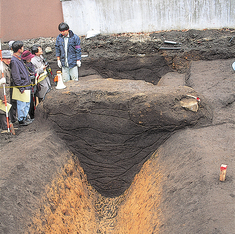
(21, 70)
(26, 75)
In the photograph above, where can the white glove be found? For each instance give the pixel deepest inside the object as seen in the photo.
(79, 63)
(2, 81)
(59, 63)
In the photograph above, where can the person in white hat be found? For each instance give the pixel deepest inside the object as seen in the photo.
(10, 46)
(6, 59)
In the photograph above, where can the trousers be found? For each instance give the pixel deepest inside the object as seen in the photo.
(69, 72)
(22, 109)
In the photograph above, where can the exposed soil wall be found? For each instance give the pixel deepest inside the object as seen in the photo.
(141, 55)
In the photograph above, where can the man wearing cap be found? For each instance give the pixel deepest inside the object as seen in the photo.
(6, 58)
(21, 79)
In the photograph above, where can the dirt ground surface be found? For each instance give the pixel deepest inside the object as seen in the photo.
(44, 188)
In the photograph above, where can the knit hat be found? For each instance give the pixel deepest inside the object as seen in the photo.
(6, 54)
(26, 55)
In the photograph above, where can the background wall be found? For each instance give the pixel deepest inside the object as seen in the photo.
(115, 16)
(25, 19)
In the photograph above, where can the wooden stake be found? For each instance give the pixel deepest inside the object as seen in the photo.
(223, 169)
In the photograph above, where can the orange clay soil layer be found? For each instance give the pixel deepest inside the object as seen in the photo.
(71, 205)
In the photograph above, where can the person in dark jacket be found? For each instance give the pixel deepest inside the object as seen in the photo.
(21, 78)
(68, 52)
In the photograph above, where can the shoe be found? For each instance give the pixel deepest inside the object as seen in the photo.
(29, 121)
(16, 123)
(24, 123)
(28, 118)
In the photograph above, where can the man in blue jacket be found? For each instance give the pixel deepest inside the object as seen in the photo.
(68, 52)
(21, 78)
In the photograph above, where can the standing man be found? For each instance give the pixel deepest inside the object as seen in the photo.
(68, 52)
(6, 59)
(20, 77)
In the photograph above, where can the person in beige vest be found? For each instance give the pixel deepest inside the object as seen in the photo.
(40, 67)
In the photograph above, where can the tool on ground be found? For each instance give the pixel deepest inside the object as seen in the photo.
(172, 42)
(223, 169)
(4, 89)
(170, 48)
(231, 39)
(197, 98)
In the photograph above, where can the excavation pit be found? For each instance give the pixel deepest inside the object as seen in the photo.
(174, 185)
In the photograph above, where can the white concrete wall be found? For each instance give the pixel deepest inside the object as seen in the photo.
(117, 16)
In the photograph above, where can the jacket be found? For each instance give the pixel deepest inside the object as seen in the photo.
(7, 75)
(45, 84)
(19, 74)
(73, 52)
